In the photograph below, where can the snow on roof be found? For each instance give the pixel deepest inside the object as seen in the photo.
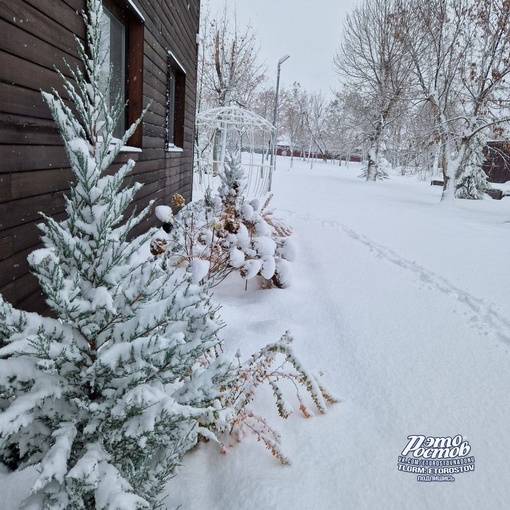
(136, 9)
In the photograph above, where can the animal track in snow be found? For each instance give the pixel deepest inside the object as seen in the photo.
(484, 316)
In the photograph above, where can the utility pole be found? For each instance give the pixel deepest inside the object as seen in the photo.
(275, 122)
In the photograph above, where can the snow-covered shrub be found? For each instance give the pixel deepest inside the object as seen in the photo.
(227, 232)
(472, 181)
(385, 167)
(273, 365)
(106, 397)
(376, 167)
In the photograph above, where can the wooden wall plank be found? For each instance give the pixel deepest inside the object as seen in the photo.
(33, 48)
(36, 36)
(42, 25)
(19, 101)
(60, 12)
(27, 210)
(20, 130)
(21, 237)
(24, 158)
(31, 184)
(18, 71)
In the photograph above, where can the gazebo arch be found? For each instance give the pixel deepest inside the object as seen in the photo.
(237, 131)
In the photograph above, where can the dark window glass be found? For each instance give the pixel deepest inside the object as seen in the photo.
(171, 107)
(176, 100)
(113, 48)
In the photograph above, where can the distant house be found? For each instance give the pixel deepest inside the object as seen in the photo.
(153, 48)
(497, 161)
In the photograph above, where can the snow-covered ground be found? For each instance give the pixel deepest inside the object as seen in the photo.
(403, 304)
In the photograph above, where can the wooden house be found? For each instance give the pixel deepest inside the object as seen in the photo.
(497, 161)
(153, 48)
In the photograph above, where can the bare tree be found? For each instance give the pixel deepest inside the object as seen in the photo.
(292, 117)
(371, 62)
(263, 105)
(351, 123)
(229, 67)
(460, 53)
(316, 118)
(229, 71)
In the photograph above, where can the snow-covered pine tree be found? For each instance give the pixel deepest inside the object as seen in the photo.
(105, 398)
(472, 181)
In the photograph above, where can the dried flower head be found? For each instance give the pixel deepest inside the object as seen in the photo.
(158, 246)
(178, 201)
(217, 224)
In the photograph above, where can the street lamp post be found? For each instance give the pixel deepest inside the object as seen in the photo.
(275, 122)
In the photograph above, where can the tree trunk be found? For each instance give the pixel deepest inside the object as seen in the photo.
(372, 164)
(373, 152)
(450, 170)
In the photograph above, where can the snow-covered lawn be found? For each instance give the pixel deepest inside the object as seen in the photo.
(403, 303)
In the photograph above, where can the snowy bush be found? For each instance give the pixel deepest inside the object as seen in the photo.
(106, 397)
(226, 232)
(472, 181)
(273, 365)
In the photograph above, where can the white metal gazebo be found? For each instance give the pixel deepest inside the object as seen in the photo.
(235, 130)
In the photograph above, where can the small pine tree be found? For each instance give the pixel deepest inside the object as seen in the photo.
(472, 181)
(106, 397)
(376, 168)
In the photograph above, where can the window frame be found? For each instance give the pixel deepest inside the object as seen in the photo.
(175, 104)
(126, 12)
(116, 57)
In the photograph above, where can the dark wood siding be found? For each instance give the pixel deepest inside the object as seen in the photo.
(37, 35)
(497, 161)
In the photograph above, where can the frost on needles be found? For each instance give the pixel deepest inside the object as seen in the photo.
(106, 396)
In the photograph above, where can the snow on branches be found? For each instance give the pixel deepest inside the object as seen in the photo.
(106, 397)
(226, 232)
(273, 365)
(472, 181)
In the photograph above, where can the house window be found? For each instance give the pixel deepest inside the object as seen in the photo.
(122, 48)
(171, 107)
(113, 51)
(175, 100)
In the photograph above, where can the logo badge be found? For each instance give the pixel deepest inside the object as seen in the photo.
(436, 459)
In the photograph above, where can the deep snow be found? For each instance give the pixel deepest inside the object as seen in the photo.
(403, 304)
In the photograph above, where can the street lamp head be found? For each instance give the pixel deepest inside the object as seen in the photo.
(283, 59)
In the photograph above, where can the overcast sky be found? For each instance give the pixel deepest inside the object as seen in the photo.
(307, 30)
